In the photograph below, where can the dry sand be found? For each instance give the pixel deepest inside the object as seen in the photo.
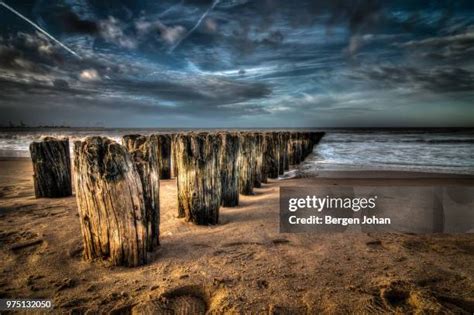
(242, 265)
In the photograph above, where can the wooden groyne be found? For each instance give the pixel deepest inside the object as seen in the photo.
(51, 167)
(117, 186)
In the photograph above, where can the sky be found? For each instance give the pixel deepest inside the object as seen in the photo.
(238, 63)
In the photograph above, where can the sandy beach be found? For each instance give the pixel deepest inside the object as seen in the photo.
(242, 265)
(237, 157)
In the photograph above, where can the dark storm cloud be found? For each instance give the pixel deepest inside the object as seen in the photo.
(462, 41)
(8, 55)
(58, 88)
(29, 52)
(358, 14)
(437, 80)
(72, 23)
(42, 97)
(196, 110)
(210, 91)
(448, 48)
(61, 84)
(189, 95)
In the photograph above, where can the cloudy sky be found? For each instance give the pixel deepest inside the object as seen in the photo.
(238, 63)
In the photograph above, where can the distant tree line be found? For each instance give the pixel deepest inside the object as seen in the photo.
(22, 125)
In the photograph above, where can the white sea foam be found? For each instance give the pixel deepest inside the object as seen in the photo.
(446, 152)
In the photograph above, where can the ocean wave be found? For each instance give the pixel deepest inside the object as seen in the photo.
(397, 141)
(447, 153)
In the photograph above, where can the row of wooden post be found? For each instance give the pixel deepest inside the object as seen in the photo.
(117, 185)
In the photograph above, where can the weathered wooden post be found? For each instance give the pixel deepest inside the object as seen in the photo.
(303, 145)
(110, 202)
(174, 149)
(297, 148)
(281, 160)
(144, 151)
(129, 141)
(264, 158)
(306, 145)
(247, 163)
(51, 167)
(286, 159)
(283, 164)
(229, 167)
(174, 170)
(199, 178)
(164, 154)
(272, 154)
(292, 149)
(258, 154)
(316, 137)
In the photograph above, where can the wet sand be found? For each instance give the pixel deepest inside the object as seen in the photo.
(242, 265)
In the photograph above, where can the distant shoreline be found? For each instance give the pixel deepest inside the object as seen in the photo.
(34, 127)
(339, 129)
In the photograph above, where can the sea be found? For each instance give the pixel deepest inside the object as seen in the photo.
(420, 150)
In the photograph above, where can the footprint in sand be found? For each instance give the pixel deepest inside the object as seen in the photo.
(182, 300)
(404, 297)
